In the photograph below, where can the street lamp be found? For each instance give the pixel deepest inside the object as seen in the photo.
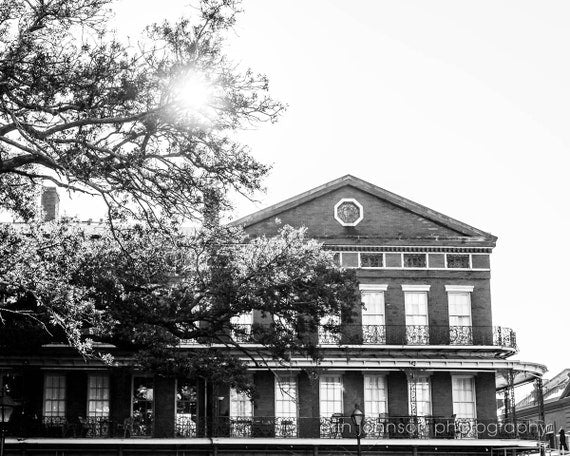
(6, 409)
(358, 419)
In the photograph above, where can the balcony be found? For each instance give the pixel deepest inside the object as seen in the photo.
(420, 335)
(335, 427)
(409, 335)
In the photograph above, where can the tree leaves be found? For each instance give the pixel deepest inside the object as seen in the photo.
(157, 290)
(96, 115)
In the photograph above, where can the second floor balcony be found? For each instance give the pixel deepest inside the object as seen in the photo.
(395, 335)
(420, 335)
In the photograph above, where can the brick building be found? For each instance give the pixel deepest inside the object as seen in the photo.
(552, 404)
(421, 359)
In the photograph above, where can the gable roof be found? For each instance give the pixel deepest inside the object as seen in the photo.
(371, 189)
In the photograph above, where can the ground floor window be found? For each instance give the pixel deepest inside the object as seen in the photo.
(241, 413)
(375, 397)
(463, 396)
(464, 407)
(330, 387)
(286, 406)
(143, 406)
(98, 395)
(54, 396)
(186, 408)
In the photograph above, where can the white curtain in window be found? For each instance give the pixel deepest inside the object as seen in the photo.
(375, 397)
(330, 389)
(98, 395)
(463, 393)
(54, 395)
(240, 404)
(286, 397)
(416, 308)
(459, 308)
(373, 311)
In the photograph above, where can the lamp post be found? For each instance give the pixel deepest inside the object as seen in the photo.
(358, 419)
(6, 409)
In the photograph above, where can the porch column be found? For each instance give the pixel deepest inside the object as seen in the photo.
(412, 378)
(539, 399)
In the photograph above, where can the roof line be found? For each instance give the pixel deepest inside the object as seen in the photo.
(368, 188)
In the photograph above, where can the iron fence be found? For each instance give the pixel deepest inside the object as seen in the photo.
(336, 426)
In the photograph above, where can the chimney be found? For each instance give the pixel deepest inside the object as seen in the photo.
(50, 204)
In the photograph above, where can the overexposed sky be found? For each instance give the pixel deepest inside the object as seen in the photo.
(461, 106)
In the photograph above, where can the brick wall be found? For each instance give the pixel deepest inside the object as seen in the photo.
(441, 395)
(486, 396)
(308, 405)
(353, 394)
(76, 395)
(164, 406)
(397, 394)
(381, 219)
(264, 403)
(438, 308)
(120, 395)
(33, 384)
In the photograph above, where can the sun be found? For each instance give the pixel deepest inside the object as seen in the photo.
(194, 93)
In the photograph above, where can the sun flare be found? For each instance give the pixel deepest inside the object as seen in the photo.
(195, 93)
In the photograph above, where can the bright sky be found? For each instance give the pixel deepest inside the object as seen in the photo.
(461, 106)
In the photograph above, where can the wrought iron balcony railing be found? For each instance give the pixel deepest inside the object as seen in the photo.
(368, 334)
(422, 335)
(337, 426)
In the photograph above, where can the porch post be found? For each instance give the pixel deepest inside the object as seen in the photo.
(540, 399)
(412, 378)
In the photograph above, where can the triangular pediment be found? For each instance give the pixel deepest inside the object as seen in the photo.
(349, 208)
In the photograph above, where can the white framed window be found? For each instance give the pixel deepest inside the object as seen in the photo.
(330, 391)
(242, 325)
(245, 318)
(327, 336)
(459, 299)
(240, 404)
(460, 322)
(458, 260)
(372, 260)
(286, 397)
(463, 393)
(423, 395)
(417, 320)
(375, 395)
(414, 260)
(459, 308)
(98, 395)
(54, 395)
(186, 408)
(373, 313)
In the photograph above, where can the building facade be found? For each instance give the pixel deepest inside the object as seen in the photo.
(421, 359)
(551, 404)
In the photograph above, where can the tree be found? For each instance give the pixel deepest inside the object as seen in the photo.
(146, 127)
(149, 129)
(153, 291)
